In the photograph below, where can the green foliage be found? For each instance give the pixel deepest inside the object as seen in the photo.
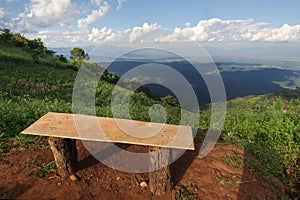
(78, 56)
(269, 129)
(18, 112)
(32, 51)
(78, 53)
(234, 161)
(186, 193)
(44, 170)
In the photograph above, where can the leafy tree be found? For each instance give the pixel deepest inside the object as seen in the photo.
(37, 47)
(78, 55)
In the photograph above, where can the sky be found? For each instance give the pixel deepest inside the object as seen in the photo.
(216, 23)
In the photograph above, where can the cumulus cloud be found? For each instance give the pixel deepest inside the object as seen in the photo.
(283, 33)
(232, 30)
(212, 30)
(45, 13)
(141, 31)
(103, 34)
(135, 34)
(95, 15)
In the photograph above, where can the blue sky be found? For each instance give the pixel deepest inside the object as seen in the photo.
(171, 13)
(237, 23)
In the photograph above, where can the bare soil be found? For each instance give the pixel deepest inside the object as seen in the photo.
(214, 177)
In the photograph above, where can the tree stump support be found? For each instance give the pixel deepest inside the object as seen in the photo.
(160, 178)
(65, 155)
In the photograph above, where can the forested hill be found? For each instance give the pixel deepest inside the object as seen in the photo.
(16, 48)
(34, 81)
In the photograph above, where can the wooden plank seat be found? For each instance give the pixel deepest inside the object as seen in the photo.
(63, 129)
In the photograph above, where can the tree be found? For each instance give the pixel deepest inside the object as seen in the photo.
(78, 53)
(78, 56)
(37, 48)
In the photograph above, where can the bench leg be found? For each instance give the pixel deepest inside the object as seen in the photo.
(160, 180)
(65, 155)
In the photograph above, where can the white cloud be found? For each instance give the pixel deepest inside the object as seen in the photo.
(120, 4)
(103, 34)
(139, 32)
(95, 15)
(135, 34)
(213, 30)
(283, 33)
(45, 13)
(60, 38)
(232, 30)
(2, 13)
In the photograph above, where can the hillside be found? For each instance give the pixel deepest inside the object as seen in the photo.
(260, 137)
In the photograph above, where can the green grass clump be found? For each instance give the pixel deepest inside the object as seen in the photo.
(44, 170)
(186, 193)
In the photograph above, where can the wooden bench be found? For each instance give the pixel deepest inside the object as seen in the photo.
(62, 132)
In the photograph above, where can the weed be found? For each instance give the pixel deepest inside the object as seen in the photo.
(184, 193)
(228, 181)
(28, 142)
(44, 170)
(234, 161)
(257, 167)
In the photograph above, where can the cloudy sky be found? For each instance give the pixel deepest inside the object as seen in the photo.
(61, 23)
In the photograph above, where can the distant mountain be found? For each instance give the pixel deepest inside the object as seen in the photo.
(240, 79)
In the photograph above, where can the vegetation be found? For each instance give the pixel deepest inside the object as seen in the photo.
(78, 55)
(44, 170)
(267, 127)
(34, 81)
(186, 193)
(29, 89)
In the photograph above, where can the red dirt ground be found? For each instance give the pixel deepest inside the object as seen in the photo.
(208, 178)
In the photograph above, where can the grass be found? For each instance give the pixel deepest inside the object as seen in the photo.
(267, 128)
(234, 161)
(29, 142)
(228, 181)
(186, 193)
(257, 167)
(44, 170)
